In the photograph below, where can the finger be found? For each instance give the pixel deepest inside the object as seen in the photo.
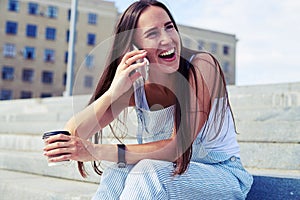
(134, 67)
(59, 137)
(56, 145)
(57, 152)
(60, 158)
(132, 57)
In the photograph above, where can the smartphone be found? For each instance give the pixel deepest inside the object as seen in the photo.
(144, 69)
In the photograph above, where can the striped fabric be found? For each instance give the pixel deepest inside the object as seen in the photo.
(215, 171)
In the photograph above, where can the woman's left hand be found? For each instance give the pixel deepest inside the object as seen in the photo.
(62, 147)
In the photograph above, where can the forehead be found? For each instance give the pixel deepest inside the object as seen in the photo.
(153, 16)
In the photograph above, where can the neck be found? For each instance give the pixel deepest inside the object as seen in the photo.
(159, 78)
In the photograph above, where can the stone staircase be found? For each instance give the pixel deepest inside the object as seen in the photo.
(267, 119)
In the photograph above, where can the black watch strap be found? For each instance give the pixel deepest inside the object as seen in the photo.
(121, 156)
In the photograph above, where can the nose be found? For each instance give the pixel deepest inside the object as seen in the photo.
(165, 38)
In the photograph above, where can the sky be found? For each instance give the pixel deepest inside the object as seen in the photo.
(268, 33)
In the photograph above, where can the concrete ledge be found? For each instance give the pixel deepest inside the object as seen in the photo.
(16, 185)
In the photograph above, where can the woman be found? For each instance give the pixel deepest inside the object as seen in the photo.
(187, 146)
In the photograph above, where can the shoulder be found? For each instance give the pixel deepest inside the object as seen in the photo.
(204, 59)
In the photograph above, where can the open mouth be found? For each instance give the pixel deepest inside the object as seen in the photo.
(167, 54)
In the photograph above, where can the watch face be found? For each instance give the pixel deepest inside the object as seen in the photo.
(121, 165)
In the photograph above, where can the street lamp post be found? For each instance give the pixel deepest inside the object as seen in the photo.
(70, 66)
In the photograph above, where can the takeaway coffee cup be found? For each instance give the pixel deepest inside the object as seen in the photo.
(52, 133)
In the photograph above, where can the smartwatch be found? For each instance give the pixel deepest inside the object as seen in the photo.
(121, 156)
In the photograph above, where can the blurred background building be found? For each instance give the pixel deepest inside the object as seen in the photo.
(34, 39)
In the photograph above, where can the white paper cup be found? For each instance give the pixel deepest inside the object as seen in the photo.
(52, 133)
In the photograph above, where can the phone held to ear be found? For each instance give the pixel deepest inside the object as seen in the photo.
(144, 70)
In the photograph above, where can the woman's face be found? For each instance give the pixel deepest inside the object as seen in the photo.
(157, 35)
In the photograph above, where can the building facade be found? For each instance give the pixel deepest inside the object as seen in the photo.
(221, 45)
(34, 37)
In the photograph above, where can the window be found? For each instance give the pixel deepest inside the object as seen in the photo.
(26, 94)
(50, 33)
(11, 27)
(31, 30)
(9, 50)
(49, 55)
(65, 79)
(29, 53)
(91, 39)
(89, 61)
(226, 67)
(187, 42)
(27, 75)
(67, 35)
(69, 14)
(33, 8)
(47, 77)
(45, 95)
(226, 50)
(66, 57)
(52, 12)
(92, 18)
(13, 5)
(88, 81)
(201, 45)
(8, 73)
(5, 94)
(213, 47)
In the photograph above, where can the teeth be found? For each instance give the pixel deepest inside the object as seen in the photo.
(168, 52)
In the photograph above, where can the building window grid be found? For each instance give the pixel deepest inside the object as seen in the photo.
(49, 55)
(88, 81)
(31, 30)
(214, 48)
(46, 95)
(6, 94)
(11, 27)
(28, 75)
(91, 39)
(47, 77)
(26, 95)
(89, 61)
(29, 53)
(33, 8)
(13, 5)
(8, 73)
(9, 50)
(226, 50)
(52, 11)
(50, 33)
(92, 18)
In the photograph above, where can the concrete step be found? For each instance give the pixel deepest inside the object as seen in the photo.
(276, 156)
(30, 128)
(271, 95)
(265, 114)
(74, 103)
(34, 142)
(17, 185)
(36, 163)
(268, 131)
(14, 185)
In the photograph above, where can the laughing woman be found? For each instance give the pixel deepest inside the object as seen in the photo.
(187, 147)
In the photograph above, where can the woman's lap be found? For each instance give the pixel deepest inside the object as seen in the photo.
(152, 179)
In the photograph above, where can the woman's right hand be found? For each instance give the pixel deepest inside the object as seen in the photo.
(124, 77)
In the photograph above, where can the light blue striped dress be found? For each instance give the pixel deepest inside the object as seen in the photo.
(215, 171)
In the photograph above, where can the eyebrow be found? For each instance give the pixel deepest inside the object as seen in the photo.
(154, 28)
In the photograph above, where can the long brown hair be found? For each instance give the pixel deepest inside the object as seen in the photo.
(123, 38)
